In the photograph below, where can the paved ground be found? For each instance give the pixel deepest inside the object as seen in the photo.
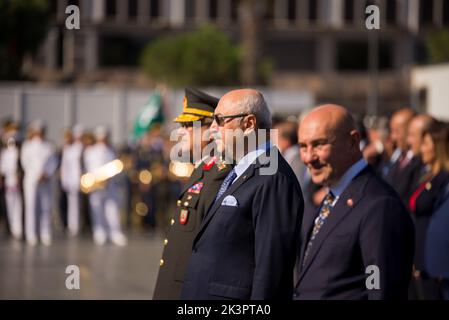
(106, 272)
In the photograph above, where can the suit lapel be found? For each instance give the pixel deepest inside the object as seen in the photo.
(216, 205)
(354, 192)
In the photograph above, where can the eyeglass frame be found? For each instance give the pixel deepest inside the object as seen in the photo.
(220, 119)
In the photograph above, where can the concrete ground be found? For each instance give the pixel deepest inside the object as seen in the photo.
(106, 272)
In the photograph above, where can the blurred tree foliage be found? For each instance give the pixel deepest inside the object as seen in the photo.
(23, 25)
(203, 57)
(438, 47)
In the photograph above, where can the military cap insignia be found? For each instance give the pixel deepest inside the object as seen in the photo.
(196, 188)
(183, 216)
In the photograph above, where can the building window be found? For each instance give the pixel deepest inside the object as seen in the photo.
(313, 10)
(213, 9)
(234, 10)
(111, 8)
(349, 11)
(446, 13)
(291, 10)
(73, 3)
(385, 55)
(53, 7)
(190, 9)
(426, 12)
(132, 9)
(391, 12)
(352, 55)
(154, 9)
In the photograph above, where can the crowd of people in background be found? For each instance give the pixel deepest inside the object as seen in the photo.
(86, 183)
(409, 150)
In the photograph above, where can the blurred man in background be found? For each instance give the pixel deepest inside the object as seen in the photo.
(103, 200)
(288, 146)
(39, 164)
(11, 170)
(405, 165)
(70, 178)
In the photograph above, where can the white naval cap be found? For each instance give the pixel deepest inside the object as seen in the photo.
(101, 132)
(78, 130)
(37, 125)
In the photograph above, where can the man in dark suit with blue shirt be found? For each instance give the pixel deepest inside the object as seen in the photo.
(246, 245)
(359, 244)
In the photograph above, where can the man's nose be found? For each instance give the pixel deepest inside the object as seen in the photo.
(308, 155)
(213, 128)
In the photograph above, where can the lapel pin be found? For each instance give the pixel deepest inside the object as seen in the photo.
(350, 202)
(428, 186)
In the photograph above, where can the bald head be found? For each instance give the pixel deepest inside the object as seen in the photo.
(329, 143)
(399, 123)
(246, 101)
(332, 117)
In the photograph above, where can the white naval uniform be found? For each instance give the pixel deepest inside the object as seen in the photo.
(70, 180)
(38, 158)
(9, 168)
(104, 203)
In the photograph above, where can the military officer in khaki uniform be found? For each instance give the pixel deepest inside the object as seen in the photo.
(196, 196)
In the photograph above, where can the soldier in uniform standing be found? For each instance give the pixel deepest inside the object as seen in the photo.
(196, 196)
(12, 172)
(39, 162)
(70, 178)
(104, 202)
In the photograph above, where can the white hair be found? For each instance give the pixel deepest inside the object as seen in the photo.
(255, 104)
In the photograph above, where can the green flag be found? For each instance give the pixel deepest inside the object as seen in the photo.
(150, 115)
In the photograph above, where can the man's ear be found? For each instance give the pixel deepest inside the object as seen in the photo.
(250, 122)
(355, 139)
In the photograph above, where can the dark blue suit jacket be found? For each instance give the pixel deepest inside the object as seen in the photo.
(369, 225)
(437, 242)
(248, 251)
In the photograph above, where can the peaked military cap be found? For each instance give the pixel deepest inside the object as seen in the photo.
(196, 106)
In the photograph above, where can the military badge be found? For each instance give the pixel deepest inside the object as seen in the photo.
(207, 166)
(196, 188)
(183, 216)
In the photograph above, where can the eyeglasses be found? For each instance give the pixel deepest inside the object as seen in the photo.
(190, 124)
(220, 120)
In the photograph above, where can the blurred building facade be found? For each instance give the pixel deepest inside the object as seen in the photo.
(318, 45)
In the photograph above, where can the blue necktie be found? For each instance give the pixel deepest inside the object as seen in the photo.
(319, 221)
(226, 184)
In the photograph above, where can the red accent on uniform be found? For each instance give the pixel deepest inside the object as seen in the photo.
(209, 164)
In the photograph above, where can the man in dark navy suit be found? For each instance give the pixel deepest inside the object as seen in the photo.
(247, 242)
(359, 243)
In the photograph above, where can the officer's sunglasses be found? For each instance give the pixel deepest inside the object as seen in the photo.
(221, 120)
(190, 124)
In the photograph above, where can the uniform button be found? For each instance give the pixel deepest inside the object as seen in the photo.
(186, 204)
(165, 242)
(172, 221)
(161, 263)
(178, 203)
(189, 197)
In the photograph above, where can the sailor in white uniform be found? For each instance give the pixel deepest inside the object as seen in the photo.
(39, 163)
(9, 169)
(70, 178)
(104, 202)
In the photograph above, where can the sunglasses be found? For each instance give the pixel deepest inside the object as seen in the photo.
(190, 124)
(221, 120)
